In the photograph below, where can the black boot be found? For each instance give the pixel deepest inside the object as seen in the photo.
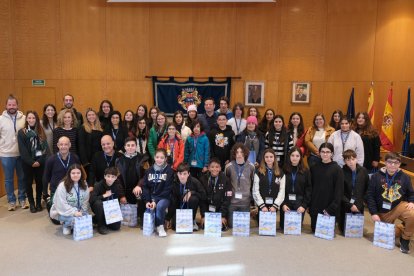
(39, 207)
(404, 246)
(32, 208)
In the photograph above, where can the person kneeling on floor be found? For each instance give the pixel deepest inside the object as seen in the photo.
(106, 189)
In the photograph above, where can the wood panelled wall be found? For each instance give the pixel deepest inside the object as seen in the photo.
(97, 50)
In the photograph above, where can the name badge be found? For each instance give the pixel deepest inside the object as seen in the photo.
(269, 200)
(38, 153)
(238, 195)
(194, 163)
(386, 205)
(292, 197)
(211, 208)
(352, 201)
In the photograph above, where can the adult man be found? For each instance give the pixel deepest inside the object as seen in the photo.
(102, 160)
(300, 95)
(224, 107)
(208, 119)
(11, 121)
(391, 196)
(68, 100)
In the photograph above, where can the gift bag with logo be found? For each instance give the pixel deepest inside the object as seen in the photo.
(267, 223)
(212, 224)
(354, 225)
(129, 215)
(184, 221)
(112, 211)
(241, 224)
(82, 229)
(148, 224)
(293, 223)
(384, 235)
(325, 227)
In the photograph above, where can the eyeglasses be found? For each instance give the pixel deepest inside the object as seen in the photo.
(395, 163)
(326, 152)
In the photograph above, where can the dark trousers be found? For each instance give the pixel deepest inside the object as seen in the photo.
(176, 204)
(35, 174)
(98, 210)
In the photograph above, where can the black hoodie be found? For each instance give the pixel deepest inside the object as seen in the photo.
(221, 142)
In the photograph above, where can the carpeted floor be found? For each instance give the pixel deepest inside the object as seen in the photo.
(31, 245)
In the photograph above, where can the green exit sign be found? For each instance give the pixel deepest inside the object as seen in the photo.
(38, 82)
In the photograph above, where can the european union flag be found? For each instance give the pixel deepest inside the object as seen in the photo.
(406, 125)
(350, 113)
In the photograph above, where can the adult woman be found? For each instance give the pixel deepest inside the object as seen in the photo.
(89, 138)
(153, 112)
(116, 130)
(128, 121)
(327, 186)
(156, 132)
(298, 186)
(370, 139)
(105, 109)
(267, 120)
(335, 119)
(297, 130)
(278, 139)
(65, 127)
(71, 198)
(49, 122)
(173, 145)
(142, 112)
(33, 150)
(253, 111)
(344, 139)
(178, 121)
(141, 133)
(254, 140)
(316, 135)
(237, 123)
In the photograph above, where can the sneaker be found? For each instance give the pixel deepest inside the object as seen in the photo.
(24, 205)
(12, 207)
(103, 230)
(195, 226)
(161, 231)
(404, 246)
(66, 230)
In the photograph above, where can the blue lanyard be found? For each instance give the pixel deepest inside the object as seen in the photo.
(114, 134)
(389, 181)
(239, 174)
(77, 193)
(294, 179)
(269, 178)
(182, 192)
(61, 161)
(106, 159)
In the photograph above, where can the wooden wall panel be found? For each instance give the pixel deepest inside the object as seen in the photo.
(36, 36)
(394, 58)
(348, 22)
(171, 41)
(302, 40)
(6, 88)
(127, 42)
(6, 47)
(83, 35)
(126, 95)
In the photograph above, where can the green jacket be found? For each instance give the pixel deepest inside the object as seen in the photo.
(153, 141)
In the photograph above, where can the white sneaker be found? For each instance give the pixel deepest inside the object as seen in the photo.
(161, 231)
(12, 207)
(23, 204)
(66, 230)
(195, 226)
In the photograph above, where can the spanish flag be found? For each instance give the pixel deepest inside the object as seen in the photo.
(371, 110)
(387, 133)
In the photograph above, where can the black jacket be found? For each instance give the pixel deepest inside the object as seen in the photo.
(218, 196)
(100, 188)
(88, 144)
(98, 166)
(119, 135)
(371, 150)
(303, 190)
(358, 192)
(221, 142)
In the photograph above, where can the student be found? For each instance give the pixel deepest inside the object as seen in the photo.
(253, 111)
(89, 138)
(173, 145)
(241, 173)
(157, 189)
(336, 119)
(105, 109)
(269, 184)
(327, 186)
(298, 188)
(33, 151)
(129, 121)
(71, 199)
(237, 123)
(116, 130)
(297, 130)
(345, 138)
(278, 139)
(49, 122)
(66, 126)
(106, 189)
(197, 150)
(180, 126)
(187, 192)
(355, 186)
(267, 120)
(224, 107)
(254, 140)
(141, 133)
(390, 196)
(221, 140)
(157, 131)
(192, 115)
(142, 112)
(153, 113)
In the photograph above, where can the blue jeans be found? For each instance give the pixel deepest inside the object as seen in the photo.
(67, 221)
(10, 164)
(162, 206)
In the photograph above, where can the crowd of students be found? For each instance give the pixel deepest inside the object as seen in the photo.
(219, 161)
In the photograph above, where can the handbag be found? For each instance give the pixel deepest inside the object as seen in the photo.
(267, 223)
(212, 224)
(241, 224)
(82, 229)
(129, 215)
(354, 225)
(293, 223)
(384, 235)
(112, 211)
(325, 227)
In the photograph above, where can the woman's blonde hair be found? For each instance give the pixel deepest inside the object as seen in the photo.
(62, 114)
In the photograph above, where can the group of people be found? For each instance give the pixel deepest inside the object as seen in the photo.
(218, 161)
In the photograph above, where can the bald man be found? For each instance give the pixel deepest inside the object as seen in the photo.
(102, 160)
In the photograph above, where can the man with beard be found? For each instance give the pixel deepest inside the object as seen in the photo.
(68, 100)
(11, 121)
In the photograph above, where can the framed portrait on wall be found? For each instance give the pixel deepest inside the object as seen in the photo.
(254, 93)
(301, 92)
